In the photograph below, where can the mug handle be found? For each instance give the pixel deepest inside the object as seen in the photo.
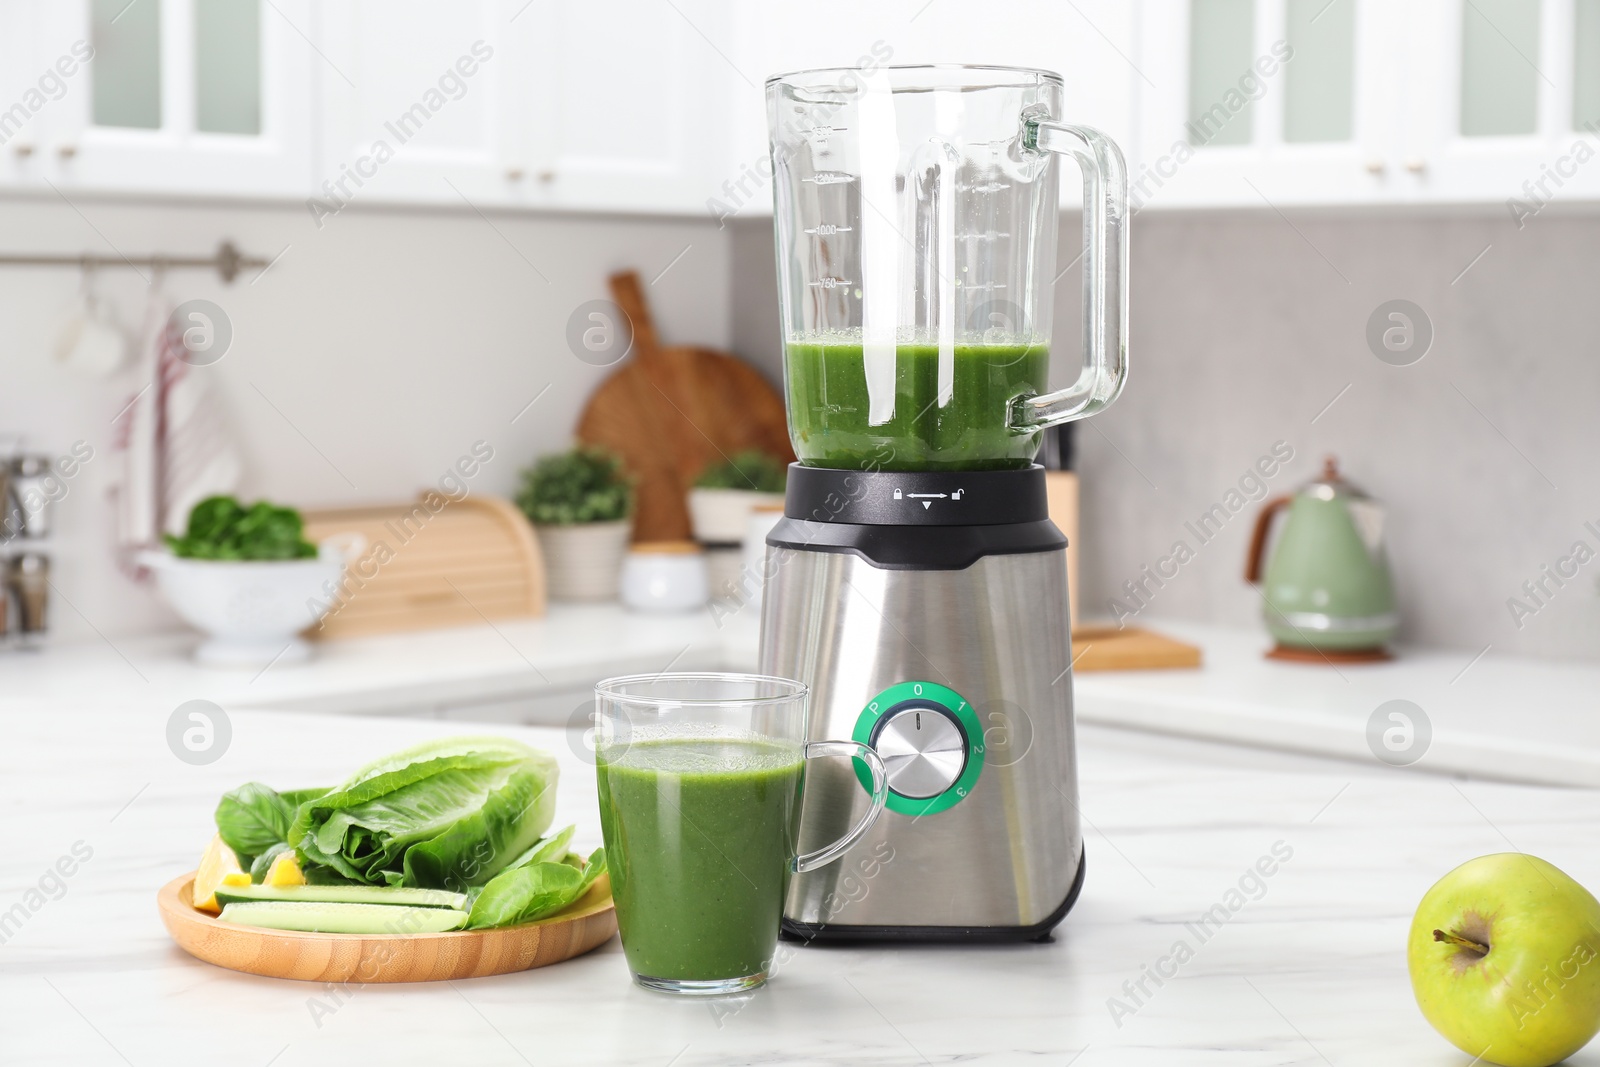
(880, 793)
(1105, 275)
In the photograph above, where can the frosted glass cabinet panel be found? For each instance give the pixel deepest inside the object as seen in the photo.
(1499, 67)
(127, 63)
(1319, 82)
(1221, 48)
(1586, 64)
(227, 66)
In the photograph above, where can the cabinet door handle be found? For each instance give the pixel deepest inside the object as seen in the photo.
(67, 151)
(23, 149)
(514, 174)
(1417, 165)
(1376, 167)
(547, 175)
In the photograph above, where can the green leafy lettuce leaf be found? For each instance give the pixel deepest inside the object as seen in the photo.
(546, 849)
(534, 891)
(445, 814)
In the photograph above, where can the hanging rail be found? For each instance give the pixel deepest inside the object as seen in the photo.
(227, 261)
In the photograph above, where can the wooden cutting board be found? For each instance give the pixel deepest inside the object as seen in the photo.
(418, 568)
(584, 926)
(1106, 648)
(672, 412)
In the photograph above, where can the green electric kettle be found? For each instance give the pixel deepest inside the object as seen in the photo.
(1327, 587)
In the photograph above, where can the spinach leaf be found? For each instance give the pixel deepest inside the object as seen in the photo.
(253, 818)
(532, 892)
(221, 528)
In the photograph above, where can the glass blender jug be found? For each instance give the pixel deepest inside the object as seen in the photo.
(916, 243)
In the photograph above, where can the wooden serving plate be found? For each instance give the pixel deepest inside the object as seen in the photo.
(587, 924)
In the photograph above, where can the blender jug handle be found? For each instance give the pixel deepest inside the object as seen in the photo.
(1105, 275)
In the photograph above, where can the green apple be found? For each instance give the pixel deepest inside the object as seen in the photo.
(1504, 955)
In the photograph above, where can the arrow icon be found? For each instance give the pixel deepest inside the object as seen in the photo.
(926, 504)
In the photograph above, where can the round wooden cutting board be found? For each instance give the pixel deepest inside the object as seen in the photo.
(586, 925)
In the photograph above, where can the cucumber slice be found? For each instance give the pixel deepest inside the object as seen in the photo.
(344, 894)
(327, 917)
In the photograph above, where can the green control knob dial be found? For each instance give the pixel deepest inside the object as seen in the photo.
(931, 743)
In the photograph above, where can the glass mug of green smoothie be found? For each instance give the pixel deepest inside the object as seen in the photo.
(701, 778)
(916, 220)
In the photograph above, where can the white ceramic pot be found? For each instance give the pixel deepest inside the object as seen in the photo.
(251, 611)
(583, 560)
(719, 515)
(665, 577)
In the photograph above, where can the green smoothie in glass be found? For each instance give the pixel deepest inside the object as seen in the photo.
(829, 406)
(700, 834)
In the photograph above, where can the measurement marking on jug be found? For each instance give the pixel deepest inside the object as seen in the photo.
(829, 283)
(830, 177)
(828, 229)
(985, 187)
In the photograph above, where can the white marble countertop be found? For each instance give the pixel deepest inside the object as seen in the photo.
(1513, 718)
(1311, 972)
(564, 652)
(1490, 716)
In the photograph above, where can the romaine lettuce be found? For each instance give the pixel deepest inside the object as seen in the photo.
(447, 814)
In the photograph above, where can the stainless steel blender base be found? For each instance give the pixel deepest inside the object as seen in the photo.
(1002, 861)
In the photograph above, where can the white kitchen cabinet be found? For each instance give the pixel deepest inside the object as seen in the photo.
(1501, 93)
(423, 102)
(28, 86)
(606, 105)
(1447, 101)
(182, 96)
(630, 102)
(1257, 102)
(656, 106)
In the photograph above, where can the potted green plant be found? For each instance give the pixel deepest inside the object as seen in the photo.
(580, 503)
(725, 493)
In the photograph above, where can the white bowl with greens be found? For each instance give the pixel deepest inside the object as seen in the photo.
(247, 579)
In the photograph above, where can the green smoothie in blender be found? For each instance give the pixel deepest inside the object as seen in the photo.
(831, 423)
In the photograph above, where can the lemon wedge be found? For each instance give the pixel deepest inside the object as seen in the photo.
(285, 870)
(218, 866)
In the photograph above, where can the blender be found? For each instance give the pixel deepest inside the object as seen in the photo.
(915, 582)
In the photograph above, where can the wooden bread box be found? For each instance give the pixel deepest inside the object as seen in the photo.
(433, 563)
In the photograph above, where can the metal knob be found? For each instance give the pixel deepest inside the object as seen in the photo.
(923, 750)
